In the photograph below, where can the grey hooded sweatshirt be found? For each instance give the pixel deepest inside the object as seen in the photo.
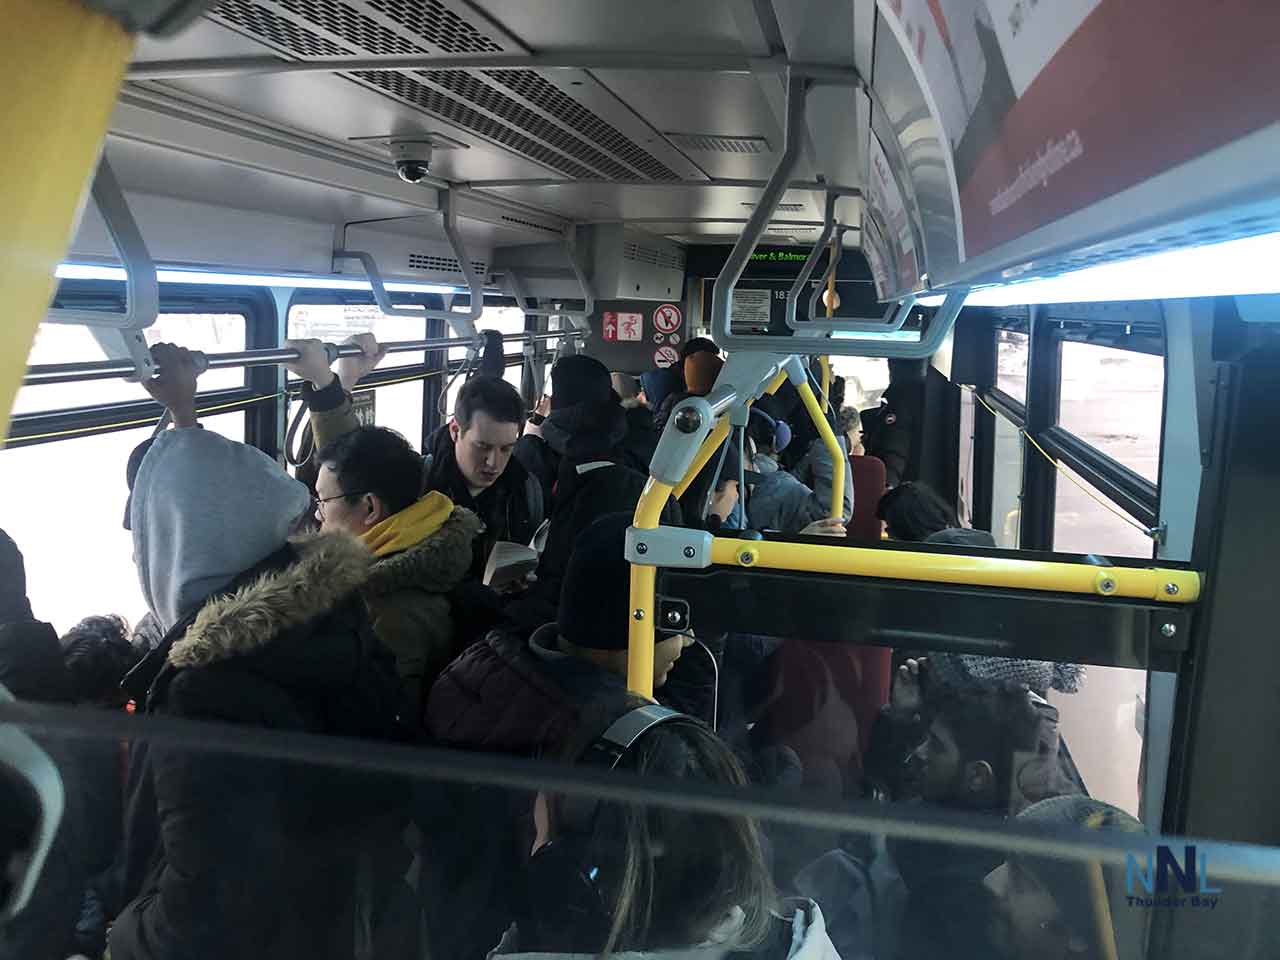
(204, 510)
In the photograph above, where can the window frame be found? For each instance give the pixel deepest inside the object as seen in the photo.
(1133, 326)
(255, 304)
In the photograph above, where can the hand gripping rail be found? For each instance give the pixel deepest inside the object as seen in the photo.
(112, 369)
(722, 292)
(120, 334)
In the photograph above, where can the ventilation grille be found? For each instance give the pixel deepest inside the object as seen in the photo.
(714, 143)
(654, 256)
(507, 218)
(782, 207)
(436, 24)
(517, 109)
(436, 264)
(555, 101)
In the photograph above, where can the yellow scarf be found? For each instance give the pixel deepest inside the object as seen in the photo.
(410, 526)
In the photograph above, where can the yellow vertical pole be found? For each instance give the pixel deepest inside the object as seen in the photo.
(825, 364)
(828, 436)
(63, 66)
(640, 635)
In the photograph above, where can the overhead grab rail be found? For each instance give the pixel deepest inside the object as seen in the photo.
(891, 322)
(463, 324)
(120, 333)
(111, 369)
(931, 338)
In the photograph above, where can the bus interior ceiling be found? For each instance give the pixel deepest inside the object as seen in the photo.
(623, 157)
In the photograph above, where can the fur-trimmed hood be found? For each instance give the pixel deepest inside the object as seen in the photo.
(436, 564)
(326, 569)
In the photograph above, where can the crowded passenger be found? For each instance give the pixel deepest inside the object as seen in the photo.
(913, 512)
(712, 498)
(777, 499)
(606, 878)
(642, 437)
(583, 441)
(98, 653)
(369, 485)
(260, 631)
(32, 668)
(1058, 908)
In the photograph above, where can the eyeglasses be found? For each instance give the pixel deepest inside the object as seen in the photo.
(317, 503)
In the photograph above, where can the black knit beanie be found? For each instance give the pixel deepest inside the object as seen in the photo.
(580, 379)
(595, 599)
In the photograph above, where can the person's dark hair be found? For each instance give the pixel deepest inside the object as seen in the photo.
(97, 654)
(698, 345)
(670, 877)
(988, 724)
(913, 511)
(13, 582)
(489, 395)
(375, 460)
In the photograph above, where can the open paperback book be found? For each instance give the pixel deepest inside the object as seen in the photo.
(511, 562)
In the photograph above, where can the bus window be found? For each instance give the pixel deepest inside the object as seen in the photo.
(865, 379)
(1082, 524)
(66, 343)
(78, 554)
(1100, 723)
(1113, 400)
(1011, 364)
(1006, 487)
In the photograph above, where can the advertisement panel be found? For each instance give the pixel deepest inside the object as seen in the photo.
(1049, 107)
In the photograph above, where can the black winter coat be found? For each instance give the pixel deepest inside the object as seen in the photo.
(31, 668)
(258, 858)
(512, 509)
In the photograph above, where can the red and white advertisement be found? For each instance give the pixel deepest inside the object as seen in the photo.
(1052, 105)
(623, 327)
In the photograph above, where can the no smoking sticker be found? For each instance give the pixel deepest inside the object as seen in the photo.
(667, 318)
(665, 356)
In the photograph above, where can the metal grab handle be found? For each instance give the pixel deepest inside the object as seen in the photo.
(463, 324)
(120, 333)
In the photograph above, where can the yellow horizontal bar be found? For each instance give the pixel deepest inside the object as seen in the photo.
(776, 382)
(1168, 586)
(709, 446)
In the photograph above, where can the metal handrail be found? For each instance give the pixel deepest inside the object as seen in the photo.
(110, 369)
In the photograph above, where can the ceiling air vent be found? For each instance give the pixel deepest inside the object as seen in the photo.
(655, 257)
(782, 207)
(715, 143)
(515, 108)
(432, 263)
(517, 221)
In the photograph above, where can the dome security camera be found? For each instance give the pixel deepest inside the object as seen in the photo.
(412, 159)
